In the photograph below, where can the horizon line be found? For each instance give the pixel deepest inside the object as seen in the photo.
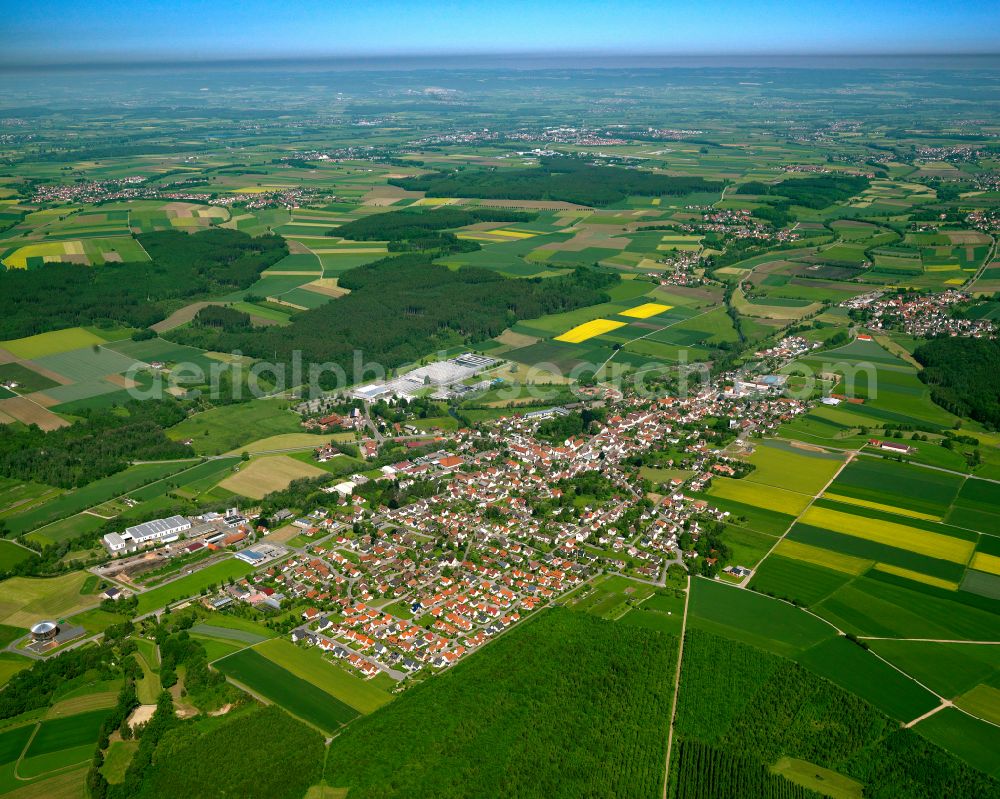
(103, 62)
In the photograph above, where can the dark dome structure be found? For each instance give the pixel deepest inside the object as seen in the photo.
(45, 631)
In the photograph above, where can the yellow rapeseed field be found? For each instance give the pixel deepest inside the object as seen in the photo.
(923, 542)
(588, 330)
(867, 503)
(647, 310)
(986, 563)
(823, 557)
(919, 577)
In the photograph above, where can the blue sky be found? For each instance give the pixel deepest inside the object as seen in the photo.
(82, 30)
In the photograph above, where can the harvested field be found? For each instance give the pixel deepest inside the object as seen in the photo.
(181, 317)
(264, 475)
(24, 410)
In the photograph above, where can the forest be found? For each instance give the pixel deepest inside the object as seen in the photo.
(768, 707)
(572, 180)
(402, 308)
(962, 375)
(413, 229)
(702, 772)
(183, 267)
(817, 191)
(103, 442)
(566, 705)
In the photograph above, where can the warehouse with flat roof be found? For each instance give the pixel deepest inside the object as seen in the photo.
(157, 531)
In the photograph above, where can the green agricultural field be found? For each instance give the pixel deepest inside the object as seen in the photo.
(13, 742)
(11, 664)
(192, 584)
(297, 696)
(117, 759)
(753, 618)
(748, 546)
(26, 600)
(28, 381)
(216, 648)
(229, 634)
(983, 701)
(759, 495)
(793, 469)
(64, 737)
(11, 554)
(974, 741)
(896, 608)
(768, 522)
(237, 624)
(904, 485)
(45, 344)
(309, 665)
(947, 668)
(865, 675)
(977, 506)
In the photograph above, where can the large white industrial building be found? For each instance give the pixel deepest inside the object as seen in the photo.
(157, 531)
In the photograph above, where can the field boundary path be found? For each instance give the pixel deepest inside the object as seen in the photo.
(821, 492)
(986, 265)
(928, 714)
(677, 688)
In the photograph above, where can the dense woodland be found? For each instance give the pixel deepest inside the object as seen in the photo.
(401, 308)
(816, 191)
(566, 705)
(260, 753)
(768, 707)
(183, 267)
(962, 374)
(567, 179)
(414, 229)
(103, 442)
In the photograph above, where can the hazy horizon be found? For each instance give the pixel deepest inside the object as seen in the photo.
(111, 31)
(533, 61)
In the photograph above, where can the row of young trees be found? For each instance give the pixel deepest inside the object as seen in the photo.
(704, 772)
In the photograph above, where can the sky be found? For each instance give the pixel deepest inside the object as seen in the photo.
(76, 31)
